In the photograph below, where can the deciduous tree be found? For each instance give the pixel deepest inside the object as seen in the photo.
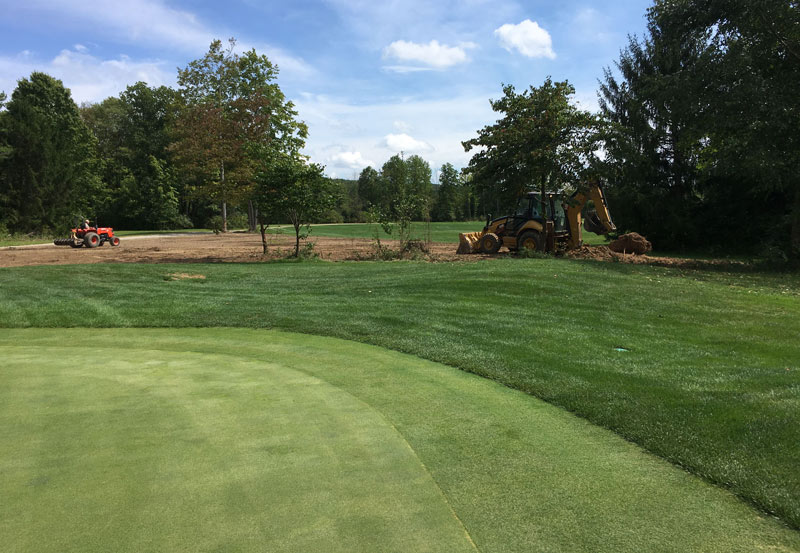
(296, 191)
(234, 115)
(542, 140)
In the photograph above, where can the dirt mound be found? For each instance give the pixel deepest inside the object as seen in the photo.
(632, 242)
(598, 253)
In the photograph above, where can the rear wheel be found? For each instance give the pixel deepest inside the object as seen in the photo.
(531, 240)
(91, 239)
(490, 243)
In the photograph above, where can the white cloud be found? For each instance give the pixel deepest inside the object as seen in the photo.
(433, 54)
(349, 160)
(151, 23)
(338, 125)
(405, 143)
(90, 79)
(528, 38)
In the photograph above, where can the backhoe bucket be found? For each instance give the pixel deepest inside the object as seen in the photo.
(469, 242)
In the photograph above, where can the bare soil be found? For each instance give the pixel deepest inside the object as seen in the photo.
(207, 248)
(246, 248)
(633, 242)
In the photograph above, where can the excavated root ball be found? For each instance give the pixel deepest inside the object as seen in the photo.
(632, 242)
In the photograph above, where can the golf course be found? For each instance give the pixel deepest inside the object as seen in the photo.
(361, 406)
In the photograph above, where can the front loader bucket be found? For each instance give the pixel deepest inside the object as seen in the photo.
(469, 242)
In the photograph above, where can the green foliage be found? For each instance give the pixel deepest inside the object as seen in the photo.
(143, 188)
(705, 114)
(541, 141)
(48, 169)
(370, 188)
(291, 189)
(151, 201)
(449, 202)
(234, 116)
(350, 208)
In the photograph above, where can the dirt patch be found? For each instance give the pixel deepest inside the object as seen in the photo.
(246, 248)
(210, 248)
(604, 253)
(184, 276)
(633, 242)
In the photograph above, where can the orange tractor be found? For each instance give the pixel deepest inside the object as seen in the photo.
(89, 236)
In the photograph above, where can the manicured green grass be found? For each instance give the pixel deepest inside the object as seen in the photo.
(22, 240)
(247, 440)
(709, 378)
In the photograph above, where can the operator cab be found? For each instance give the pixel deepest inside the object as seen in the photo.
(529, 207)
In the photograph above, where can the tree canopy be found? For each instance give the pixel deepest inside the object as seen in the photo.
(48, 173)
(542, 140)
(705, 114)
(233, 116)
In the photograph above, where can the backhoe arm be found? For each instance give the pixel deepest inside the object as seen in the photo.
(602, 225)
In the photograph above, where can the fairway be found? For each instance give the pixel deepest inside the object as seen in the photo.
(255, 440)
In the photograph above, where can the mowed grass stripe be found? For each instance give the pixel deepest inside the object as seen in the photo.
(235, 439)
(710, 379)
(122, 447)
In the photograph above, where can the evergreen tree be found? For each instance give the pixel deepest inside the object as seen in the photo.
(49, 176)
(447, 203)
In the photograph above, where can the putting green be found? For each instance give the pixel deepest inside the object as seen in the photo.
(245, 440)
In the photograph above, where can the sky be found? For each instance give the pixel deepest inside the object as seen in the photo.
(370, 78)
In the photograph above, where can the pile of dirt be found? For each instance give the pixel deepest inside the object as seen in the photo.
(598, 253)
(633, 242)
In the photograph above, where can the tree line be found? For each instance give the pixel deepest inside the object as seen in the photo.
(154, 157)
(697, 141)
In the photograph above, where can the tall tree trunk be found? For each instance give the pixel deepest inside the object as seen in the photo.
(294, 217)
(264, 237)
(252, 216)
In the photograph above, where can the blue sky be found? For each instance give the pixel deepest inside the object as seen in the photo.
(370, 78)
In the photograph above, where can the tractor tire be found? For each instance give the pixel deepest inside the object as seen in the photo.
(91, 240)
(114, 241)
(531, 240)
(490, 243)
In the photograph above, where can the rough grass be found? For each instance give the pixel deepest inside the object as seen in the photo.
(245, 440)
(708, 379)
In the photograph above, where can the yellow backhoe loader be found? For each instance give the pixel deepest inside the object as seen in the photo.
(558, 228)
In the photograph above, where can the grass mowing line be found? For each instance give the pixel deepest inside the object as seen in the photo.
(710, 380)
(176, 451)
(519, 473)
